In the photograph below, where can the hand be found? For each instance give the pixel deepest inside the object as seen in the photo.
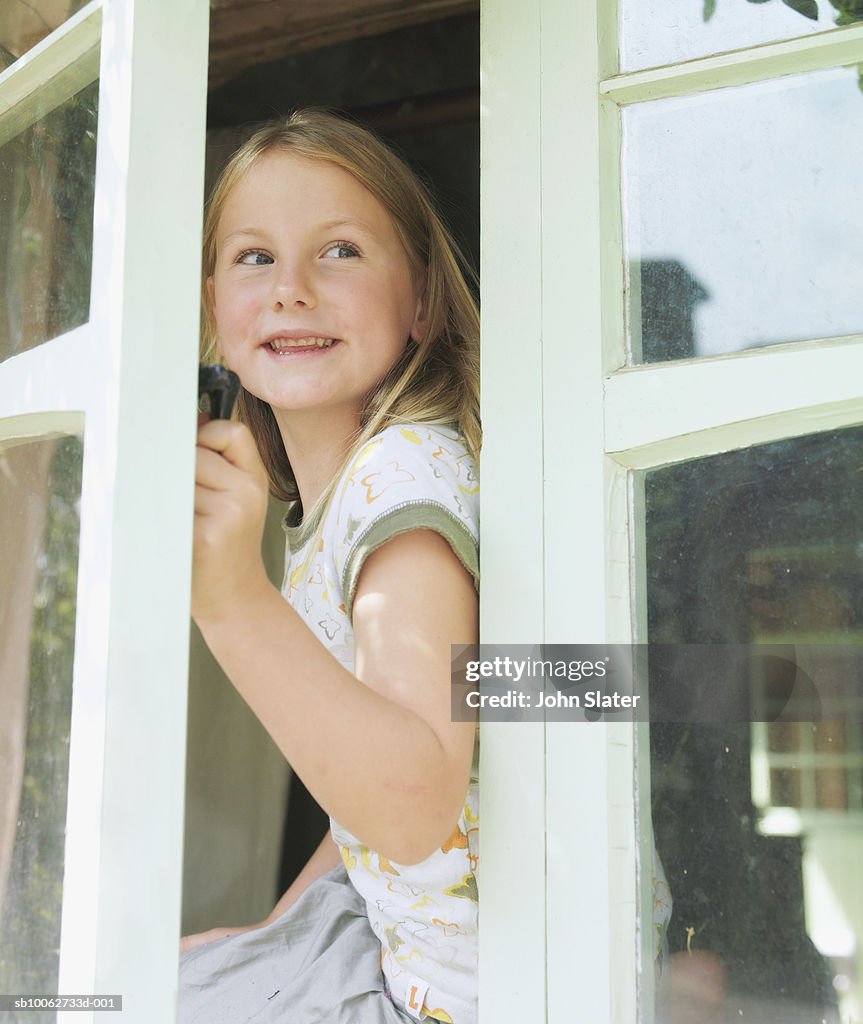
(230, 508)
(698, 987)
(189, 942)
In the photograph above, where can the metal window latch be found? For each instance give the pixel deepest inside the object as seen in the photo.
(218, 388)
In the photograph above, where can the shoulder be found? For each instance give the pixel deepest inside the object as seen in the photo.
(411, 463)
(410, 476)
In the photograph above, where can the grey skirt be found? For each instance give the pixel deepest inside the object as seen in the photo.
(317, 964)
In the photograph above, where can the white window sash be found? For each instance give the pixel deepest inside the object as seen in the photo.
(562, 531)
(128, 378)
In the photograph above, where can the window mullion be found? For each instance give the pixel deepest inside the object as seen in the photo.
(55, 69)
(815, 381)
(136, 510)
(58, 375)
(835, 48)
(512, 589)
(590, 821)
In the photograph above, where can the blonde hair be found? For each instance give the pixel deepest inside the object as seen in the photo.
(435, 379)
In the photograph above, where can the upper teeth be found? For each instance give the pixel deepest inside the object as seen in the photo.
(279, 343)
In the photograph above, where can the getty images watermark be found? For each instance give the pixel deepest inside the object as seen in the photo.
(657, 682)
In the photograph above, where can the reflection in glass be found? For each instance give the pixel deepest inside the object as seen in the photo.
(40, 487)
(655, 32)
(760, 826)
(24, 23)
(47, 177)
(744, 216)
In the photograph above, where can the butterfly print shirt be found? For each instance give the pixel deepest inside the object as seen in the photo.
(410, 476)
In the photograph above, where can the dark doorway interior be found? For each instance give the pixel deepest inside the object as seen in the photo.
(418, 87)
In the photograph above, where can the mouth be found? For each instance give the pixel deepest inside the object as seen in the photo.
(286, 346)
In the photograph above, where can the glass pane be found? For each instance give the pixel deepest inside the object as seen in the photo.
(784, 736)
(785, 788)
(24, 23)
(655, 32)
(40, 488)
(830, 789)
(743, 216)
(830, 737)
(760, 546)
(47, 178)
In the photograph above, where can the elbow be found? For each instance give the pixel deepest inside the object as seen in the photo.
(416, 840)
(425, 813)
(408, 853)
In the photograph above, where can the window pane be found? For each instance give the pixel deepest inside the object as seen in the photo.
(47, 177)
(655, 32)
(760, 826)
(40, 488)
(24, 23)
(744, 217)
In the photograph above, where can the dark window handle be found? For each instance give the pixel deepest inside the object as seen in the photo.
(221, 387)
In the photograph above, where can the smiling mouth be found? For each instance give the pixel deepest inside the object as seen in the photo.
(287, 344)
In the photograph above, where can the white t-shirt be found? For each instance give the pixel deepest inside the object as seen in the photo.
(410, 476)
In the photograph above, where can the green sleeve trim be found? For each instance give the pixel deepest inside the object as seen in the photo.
(403, 519)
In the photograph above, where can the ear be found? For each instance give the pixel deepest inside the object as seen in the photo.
(211, 292)
(420, 324)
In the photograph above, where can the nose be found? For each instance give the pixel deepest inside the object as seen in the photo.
(293, 288)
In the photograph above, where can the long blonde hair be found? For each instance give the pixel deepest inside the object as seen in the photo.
(434, 380)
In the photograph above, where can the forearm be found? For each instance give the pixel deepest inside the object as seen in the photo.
(399, 794)
(324, 859)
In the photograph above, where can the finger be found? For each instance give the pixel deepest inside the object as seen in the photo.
(231, 504)
(213, 470)
(207, 501)
(189, 942)
(232, 440)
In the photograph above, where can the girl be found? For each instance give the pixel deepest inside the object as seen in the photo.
(333, 290)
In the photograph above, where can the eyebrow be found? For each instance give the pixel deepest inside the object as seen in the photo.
(243, 231)
(347, 222)
(330, 225)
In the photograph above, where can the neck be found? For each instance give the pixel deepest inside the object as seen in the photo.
(316, 443)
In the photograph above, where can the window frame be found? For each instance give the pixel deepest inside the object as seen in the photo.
(567, 423)
(552, 372)
(127, 380)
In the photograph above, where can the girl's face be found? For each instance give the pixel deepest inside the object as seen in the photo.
(312, 292)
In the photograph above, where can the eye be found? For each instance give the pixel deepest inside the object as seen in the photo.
(341, 251)
(254, 258)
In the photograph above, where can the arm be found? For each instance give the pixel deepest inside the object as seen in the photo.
(324, 859)
(408, 764)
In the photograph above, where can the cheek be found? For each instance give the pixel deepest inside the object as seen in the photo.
(400, 297)
(231, 311)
